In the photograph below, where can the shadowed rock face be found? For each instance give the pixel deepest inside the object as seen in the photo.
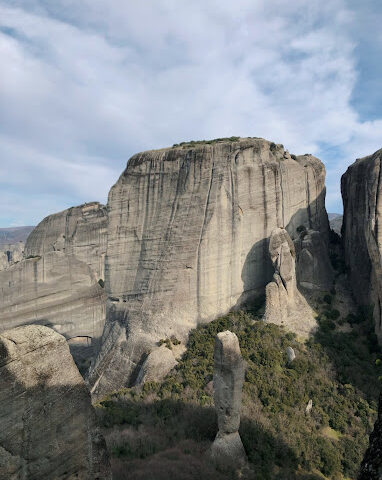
(314, 270)
(56, 283)
(47, 424)
(371, 468)
(11, 254)
(227, 451)
(362, 233)
(284, 304)
(187, 241)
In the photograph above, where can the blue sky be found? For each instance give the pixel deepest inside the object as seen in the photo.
(84, 84)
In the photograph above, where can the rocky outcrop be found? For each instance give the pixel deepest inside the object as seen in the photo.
(188, 239)
(47, 424)
(371, 467)
(227, 451)
(78, 231)
(57, 282)
(284, 304)
(362, 233)
(157, 365)
(11, 254)
(314, 270)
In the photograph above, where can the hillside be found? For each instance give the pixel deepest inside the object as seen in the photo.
(166, 428)
(12, 235)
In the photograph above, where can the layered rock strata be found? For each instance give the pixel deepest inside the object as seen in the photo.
(47, 424)
(284, 304)
(362, 233)
(227, 451)
(188, 239)
(58, 282)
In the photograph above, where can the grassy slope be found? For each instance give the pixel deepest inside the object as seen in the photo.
(164, 430)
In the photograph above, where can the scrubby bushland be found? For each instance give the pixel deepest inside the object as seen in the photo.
(338, 370)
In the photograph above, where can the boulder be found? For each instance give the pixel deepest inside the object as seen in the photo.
(284, 304)
(290, 354)
(227, 451)
(48, 427)
(157, 365)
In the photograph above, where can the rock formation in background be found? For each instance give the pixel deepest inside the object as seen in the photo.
(58, 283)
(47, 424)
(188, 240)
(284, 304)
(11, 254)
(371, 467)
(361, 187)
(314, 270)
(227, 451)
(335, 222)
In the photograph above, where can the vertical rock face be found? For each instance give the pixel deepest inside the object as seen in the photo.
(371, 468)
(47, 424)
(227, 449)
(78, 231)
(56, 283)
(362, 233)
(284, 303)
(314, 270)
(188, 230)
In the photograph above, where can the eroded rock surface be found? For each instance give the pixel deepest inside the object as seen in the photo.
(57, 282)
(11, 254)
(227, 451)
(188, 240)
(157, 365)
(362, 233)
(314, 270)
(284, 304)
(47, 424)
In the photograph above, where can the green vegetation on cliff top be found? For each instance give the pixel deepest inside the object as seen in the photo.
(166, 428)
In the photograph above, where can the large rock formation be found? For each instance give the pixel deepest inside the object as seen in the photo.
(47, 424)
(227, 451)
(57, 282)
(371, 468)
(187, 241)
(284, 304)
(361, 187)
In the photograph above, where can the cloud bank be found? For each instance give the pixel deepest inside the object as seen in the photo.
(87, 83)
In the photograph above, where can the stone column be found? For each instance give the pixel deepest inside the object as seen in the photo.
(227, 450)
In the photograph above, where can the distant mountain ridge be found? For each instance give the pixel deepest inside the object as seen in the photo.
(335, 221)
(11, 235)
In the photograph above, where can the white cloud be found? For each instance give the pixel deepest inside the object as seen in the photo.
(87, 83)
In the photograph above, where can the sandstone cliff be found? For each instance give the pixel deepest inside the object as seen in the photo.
(56, 283)
(11, 254)
(188, 240)
(362, 233)
(47, 424)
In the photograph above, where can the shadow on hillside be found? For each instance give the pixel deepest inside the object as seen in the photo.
(171, 438)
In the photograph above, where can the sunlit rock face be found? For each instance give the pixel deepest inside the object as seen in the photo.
(188, 240)
(48, 427)
(284, 304)
(362, 233)
(57, 282)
